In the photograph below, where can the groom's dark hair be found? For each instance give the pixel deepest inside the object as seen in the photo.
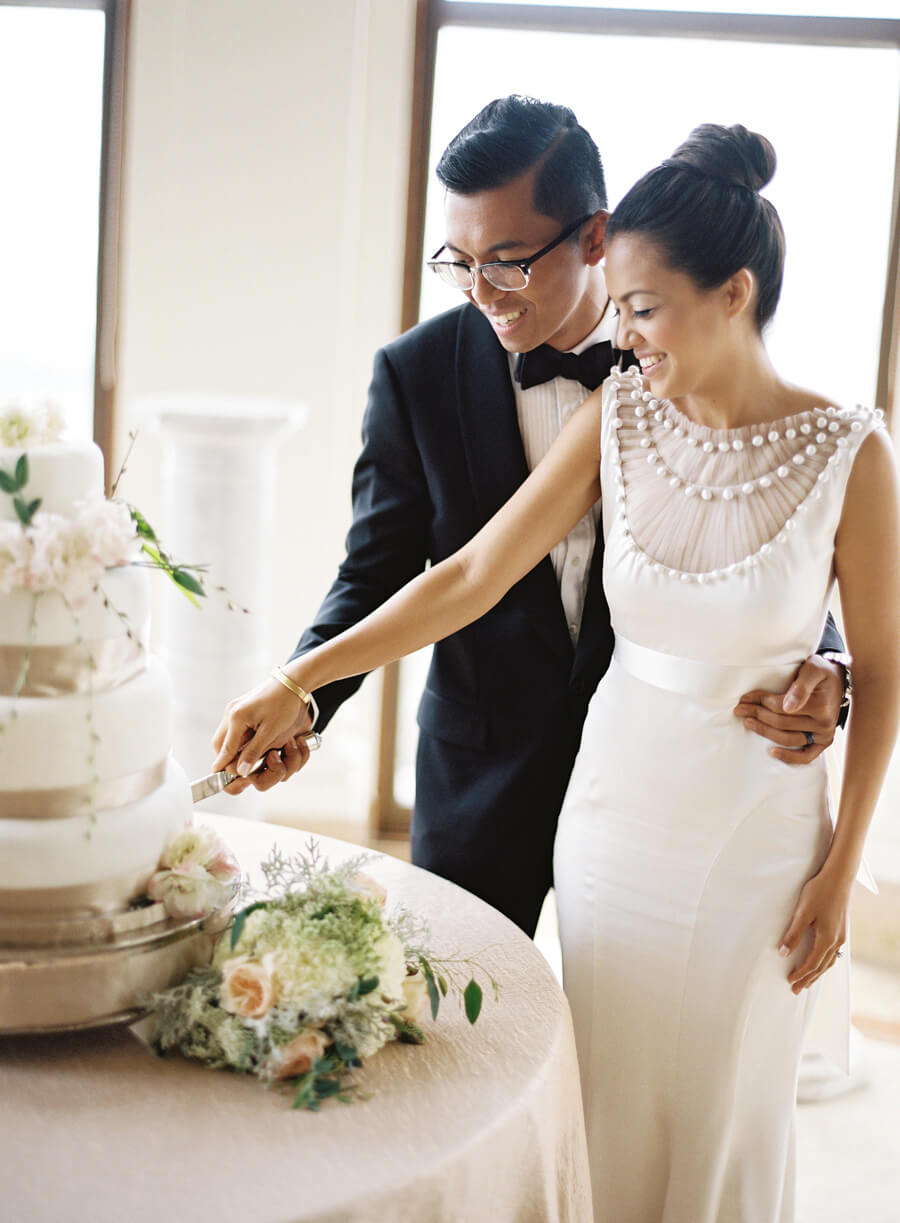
(513, 134)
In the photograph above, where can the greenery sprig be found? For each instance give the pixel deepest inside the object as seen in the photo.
(13, 484)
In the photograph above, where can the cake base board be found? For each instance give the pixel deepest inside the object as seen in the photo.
(61, 989)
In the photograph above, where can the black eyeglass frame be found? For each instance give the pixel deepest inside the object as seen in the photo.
(524, 265)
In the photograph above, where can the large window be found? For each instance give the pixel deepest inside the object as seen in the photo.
(59, 150)
(825, 90)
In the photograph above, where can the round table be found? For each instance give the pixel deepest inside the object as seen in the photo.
(482, 1122)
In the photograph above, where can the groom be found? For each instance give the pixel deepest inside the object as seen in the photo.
(460, 409)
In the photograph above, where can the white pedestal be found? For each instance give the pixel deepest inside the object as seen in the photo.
(218, 480)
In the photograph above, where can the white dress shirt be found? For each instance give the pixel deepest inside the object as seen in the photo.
(542, 412)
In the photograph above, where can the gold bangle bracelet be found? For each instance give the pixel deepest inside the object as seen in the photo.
(306, 697)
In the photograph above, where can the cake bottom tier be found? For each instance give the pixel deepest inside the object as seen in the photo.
(90, 863)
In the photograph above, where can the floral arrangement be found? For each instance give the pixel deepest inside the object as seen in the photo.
(310, 980)
(42, 552)
(70, 555)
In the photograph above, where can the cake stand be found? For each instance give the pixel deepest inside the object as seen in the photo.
(58, 974)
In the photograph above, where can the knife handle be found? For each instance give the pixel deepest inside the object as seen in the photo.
(313, 741)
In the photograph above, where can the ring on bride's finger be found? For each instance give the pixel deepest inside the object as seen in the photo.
(838, 954)
(810, 738)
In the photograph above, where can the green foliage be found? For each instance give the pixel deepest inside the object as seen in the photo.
(408, 1033)
(433, 993)
(26, 510)
(237, 925)
(16, 482)
(472, 997)
(185, 577)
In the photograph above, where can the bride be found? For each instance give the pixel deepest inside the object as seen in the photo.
(702, 888)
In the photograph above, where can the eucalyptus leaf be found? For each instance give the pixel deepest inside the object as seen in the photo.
(237, 926)
(442, 982)
(433, 994)
(7, 483)
(188, 582)
(472, 999)
(22, 471)
(365, 985)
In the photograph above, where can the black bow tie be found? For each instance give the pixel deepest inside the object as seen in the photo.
(543, 363)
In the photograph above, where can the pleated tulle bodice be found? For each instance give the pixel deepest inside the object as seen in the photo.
(755, 509)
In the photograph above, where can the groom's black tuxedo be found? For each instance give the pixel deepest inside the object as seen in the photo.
(501, 716)
(502, 712)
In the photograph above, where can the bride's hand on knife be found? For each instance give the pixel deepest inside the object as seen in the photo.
(266, 721)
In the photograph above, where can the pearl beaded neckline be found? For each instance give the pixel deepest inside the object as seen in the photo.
(784, 462)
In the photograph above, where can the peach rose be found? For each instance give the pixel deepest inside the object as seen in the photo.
(247, 989)
(298, 1055)
(415, 997)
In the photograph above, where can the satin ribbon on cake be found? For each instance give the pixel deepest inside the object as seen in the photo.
(68, 801)
(64, 670)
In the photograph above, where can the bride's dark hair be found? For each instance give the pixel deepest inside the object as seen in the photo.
(701, 208)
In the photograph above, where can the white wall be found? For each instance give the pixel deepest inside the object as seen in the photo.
(264, 214)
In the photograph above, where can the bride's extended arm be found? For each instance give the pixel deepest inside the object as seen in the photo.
(445, 598)
(867, 562)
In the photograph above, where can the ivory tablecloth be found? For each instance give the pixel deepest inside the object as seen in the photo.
(481, 1123)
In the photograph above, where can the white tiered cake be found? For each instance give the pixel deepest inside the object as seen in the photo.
(89, 794)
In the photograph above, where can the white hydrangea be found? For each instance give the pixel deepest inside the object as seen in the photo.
(311, 975)
(109, 531)
(62, 559)
(37, 425)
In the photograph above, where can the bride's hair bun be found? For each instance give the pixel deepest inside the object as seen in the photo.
(702, 211)
(732, 154)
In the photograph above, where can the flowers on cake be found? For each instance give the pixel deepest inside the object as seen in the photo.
(196, 873)
(311, 980)
(37, 425)
(67, 554)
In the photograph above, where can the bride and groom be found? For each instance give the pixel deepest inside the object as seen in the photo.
(686, 855)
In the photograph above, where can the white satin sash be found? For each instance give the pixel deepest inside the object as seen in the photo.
(692, 677)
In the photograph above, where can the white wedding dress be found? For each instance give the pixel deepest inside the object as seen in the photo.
(682, 844)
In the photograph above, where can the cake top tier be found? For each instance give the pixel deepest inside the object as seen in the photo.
(59, 473)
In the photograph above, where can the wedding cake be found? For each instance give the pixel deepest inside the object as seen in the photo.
(89, 794)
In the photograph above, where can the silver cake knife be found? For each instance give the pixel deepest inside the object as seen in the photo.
(215, 783)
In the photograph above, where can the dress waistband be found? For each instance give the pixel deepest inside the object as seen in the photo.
(690, 677)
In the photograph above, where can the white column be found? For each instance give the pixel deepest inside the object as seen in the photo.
(218, 485)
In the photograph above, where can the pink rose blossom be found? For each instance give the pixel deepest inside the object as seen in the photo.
(297, 1056)
(188, 890)
(247, 989)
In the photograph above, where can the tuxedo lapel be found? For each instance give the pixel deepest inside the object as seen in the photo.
(496, 458)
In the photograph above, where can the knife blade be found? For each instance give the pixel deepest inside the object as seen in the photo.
(215, 783)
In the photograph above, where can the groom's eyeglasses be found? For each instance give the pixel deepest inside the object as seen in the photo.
(506, 274)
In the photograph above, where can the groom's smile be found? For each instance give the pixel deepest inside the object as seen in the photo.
(564, 296)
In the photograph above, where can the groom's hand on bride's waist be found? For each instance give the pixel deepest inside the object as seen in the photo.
(801, 721)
